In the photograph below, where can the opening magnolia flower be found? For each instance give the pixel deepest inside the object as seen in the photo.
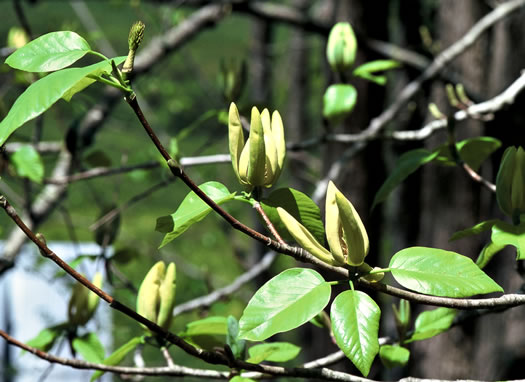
(345, 232)
(258, 161)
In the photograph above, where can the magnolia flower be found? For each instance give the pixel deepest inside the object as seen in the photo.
(258, 161)
(156, 297)
(345, 232)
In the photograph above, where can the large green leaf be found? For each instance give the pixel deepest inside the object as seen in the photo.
(50, 52)
(90, 347)
(475, 230)
(285, 302)
(432, 322)
(407, 163)
(440, 273)
(297, 204)
(393, 356)
(355, 323)
(42, 94)
(118, 355)
(507, 234)
(339, 101)
(273, 352)
(28, 163)
(191, 210)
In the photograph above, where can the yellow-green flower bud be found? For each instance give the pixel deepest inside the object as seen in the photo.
(156, 297)
(510, 182)
(17, 37)
(258, 162)
(341, 47)
(345, 231)
(136, 34)
(83, 303)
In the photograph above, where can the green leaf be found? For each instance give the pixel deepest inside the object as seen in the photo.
(338, 102)
(273, 352)
(475, 230)
(473, 151)
(90, 347)
(46, 338)
(392, 356)
(407, 163)
(207, 333)
(42, 94)
(487, 253)
(238, 378)
(28, 163)
(191, 210)
(367, 69)
(440, 273)
(50, 52)
(507, 234)
(118, 355)
(355, 323)
(431, 323)
(285, 302)
(297, 204)
(236, 345)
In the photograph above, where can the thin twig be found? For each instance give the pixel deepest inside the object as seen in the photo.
(257, 206)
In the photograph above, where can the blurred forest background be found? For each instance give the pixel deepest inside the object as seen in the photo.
(282, 44)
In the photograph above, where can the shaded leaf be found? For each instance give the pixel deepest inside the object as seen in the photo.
(273, 352)
(50, 52)
(192, 210)
(475, 230)
(473, 151)
(118, 355)
(440, 273)
(297, 204)
(236, 345)
(285, 302)
(42, 94)
(355, 323)
(28, 163)
(393, 356)
(407, 163)
(207, 333)
(431, 323)
(90, 347)
(507, 234)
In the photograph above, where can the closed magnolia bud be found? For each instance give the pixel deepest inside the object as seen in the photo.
(510, 182)
(258, 162)
(136, 34)
(156, 297)
(341, 48)
(83, 303)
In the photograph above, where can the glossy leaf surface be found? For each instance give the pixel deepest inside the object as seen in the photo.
(285, 302)
(507, 234)
(50, 52)
(355, 323)
(432, 322)
(42, 94)
(339, 101)
(440, 273)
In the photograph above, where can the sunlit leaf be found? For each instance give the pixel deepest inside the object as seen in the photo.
(487, 253)
(475, 230)
(507, 234)
(368, 70)
(42, 94)
(28, 163)
(355, 323)
(393, 356)
(273, 352)
(191, 210)
(440, 273)
(90, 347)
(50, 52)
(338, 102)
(285, 302)
(431, 323)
